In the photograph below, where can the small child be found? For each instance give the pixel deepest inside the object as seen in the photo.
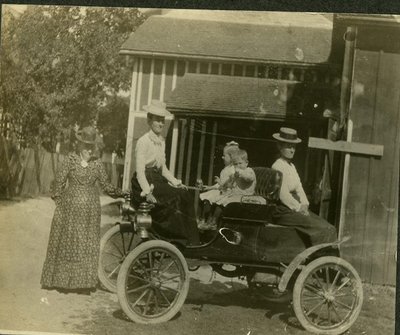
(243, 182)
(223, 184)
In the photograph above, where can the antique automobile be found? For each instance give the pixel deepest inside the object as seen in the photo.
(151, 273)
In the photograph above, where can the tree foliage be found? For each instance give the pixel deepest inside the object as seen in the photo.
(60, 66)
(113, 119)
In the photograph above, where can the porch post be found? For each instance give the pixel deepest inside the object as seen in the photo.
(345, 105)
(345, 185)
(189, 151)
(131, 124)
(182, 148)
(151, 80)
(175, 133)
(139, 85)
(200, 161)
(212, 153)
(162, 85)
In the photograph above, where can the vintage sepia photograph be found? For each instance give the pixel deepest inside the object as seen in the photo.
(191, 171)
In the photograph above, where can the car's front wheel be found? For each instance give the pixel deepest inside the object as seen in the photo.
(153, 282)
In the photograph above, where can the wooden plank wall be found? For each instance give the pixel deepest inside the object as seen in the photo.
(372, 205)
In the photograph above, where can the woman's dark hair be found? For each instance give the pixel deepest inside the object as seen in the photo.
(82, 146)
(149, 117)
(280, 144)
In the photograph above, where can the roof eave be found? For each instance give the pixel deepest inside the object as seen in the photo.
(359, 19)
(179, 111)
(212, 58)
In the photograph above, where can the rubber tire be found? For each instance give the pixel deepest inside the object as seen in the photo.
(297, 294)
(104, 280)
(123, 273)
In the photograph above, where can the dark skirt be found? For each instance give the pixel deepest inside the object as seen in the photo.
(315, 228)
(173, 216)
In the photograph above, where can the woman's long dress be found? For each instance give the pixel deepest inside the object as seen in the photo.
(74, 242)
(173, 216)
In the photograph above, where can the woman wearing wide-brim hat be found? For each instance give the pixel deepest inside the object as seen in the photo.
(74, 242)
(173, 215)
(293, 209)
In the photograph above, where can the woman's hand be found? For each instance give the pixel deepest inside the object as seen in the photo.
(182, 186)
(304, 210)
(217, 180)
(179, 184)
(151, 198)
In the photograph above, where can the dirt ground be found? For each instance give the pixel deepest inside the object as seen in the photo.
(215, 305)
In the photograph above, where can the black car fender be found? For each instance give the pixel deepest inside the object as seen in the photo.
(299, 260)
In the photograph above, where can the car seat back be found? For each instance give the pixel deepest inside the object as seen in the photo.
(269, 183)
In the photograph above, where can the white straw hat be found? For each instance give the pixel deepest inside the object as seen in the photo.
(288, 135)
(157, 107)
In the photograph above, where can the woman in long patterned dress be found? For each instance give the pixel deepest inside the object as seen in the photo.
(73, 250)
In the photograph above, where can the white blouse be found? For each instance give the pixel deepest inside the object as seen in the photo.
(150, 152)
(291, 184)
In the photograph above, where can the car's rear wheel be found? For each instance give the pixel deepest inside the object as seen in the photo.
(153, 282)
(327, 296)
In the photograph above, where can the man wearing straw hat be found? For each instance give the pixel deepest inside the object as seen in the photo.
(293, 209)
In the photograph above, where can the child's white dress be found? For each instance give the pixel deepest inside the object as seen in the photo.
(212, 195)
(243, 185)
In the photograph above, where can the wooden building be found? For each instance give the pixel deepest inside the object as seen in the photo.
(242, 75)
(369, 205)
(283, 46)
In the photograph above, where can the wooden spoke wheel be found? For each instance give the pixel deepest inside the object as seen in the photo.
(153, 282)
(327, 296)
(114, 247)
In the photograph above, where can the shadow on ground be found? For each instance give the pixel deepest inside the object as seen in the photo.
(229, 293)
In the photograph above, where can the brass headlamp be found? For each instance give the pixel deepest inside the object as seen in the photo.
(125, 209)
(143, 219)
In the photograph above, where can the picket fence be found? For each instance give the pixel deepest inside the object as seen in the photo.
(23, 174)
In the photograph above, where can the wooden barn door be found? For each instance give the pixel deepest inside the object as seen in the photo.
(371, 209)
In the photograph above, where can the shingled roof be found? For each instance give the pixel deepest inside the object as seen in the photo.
(237, 97)
(234, 36)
